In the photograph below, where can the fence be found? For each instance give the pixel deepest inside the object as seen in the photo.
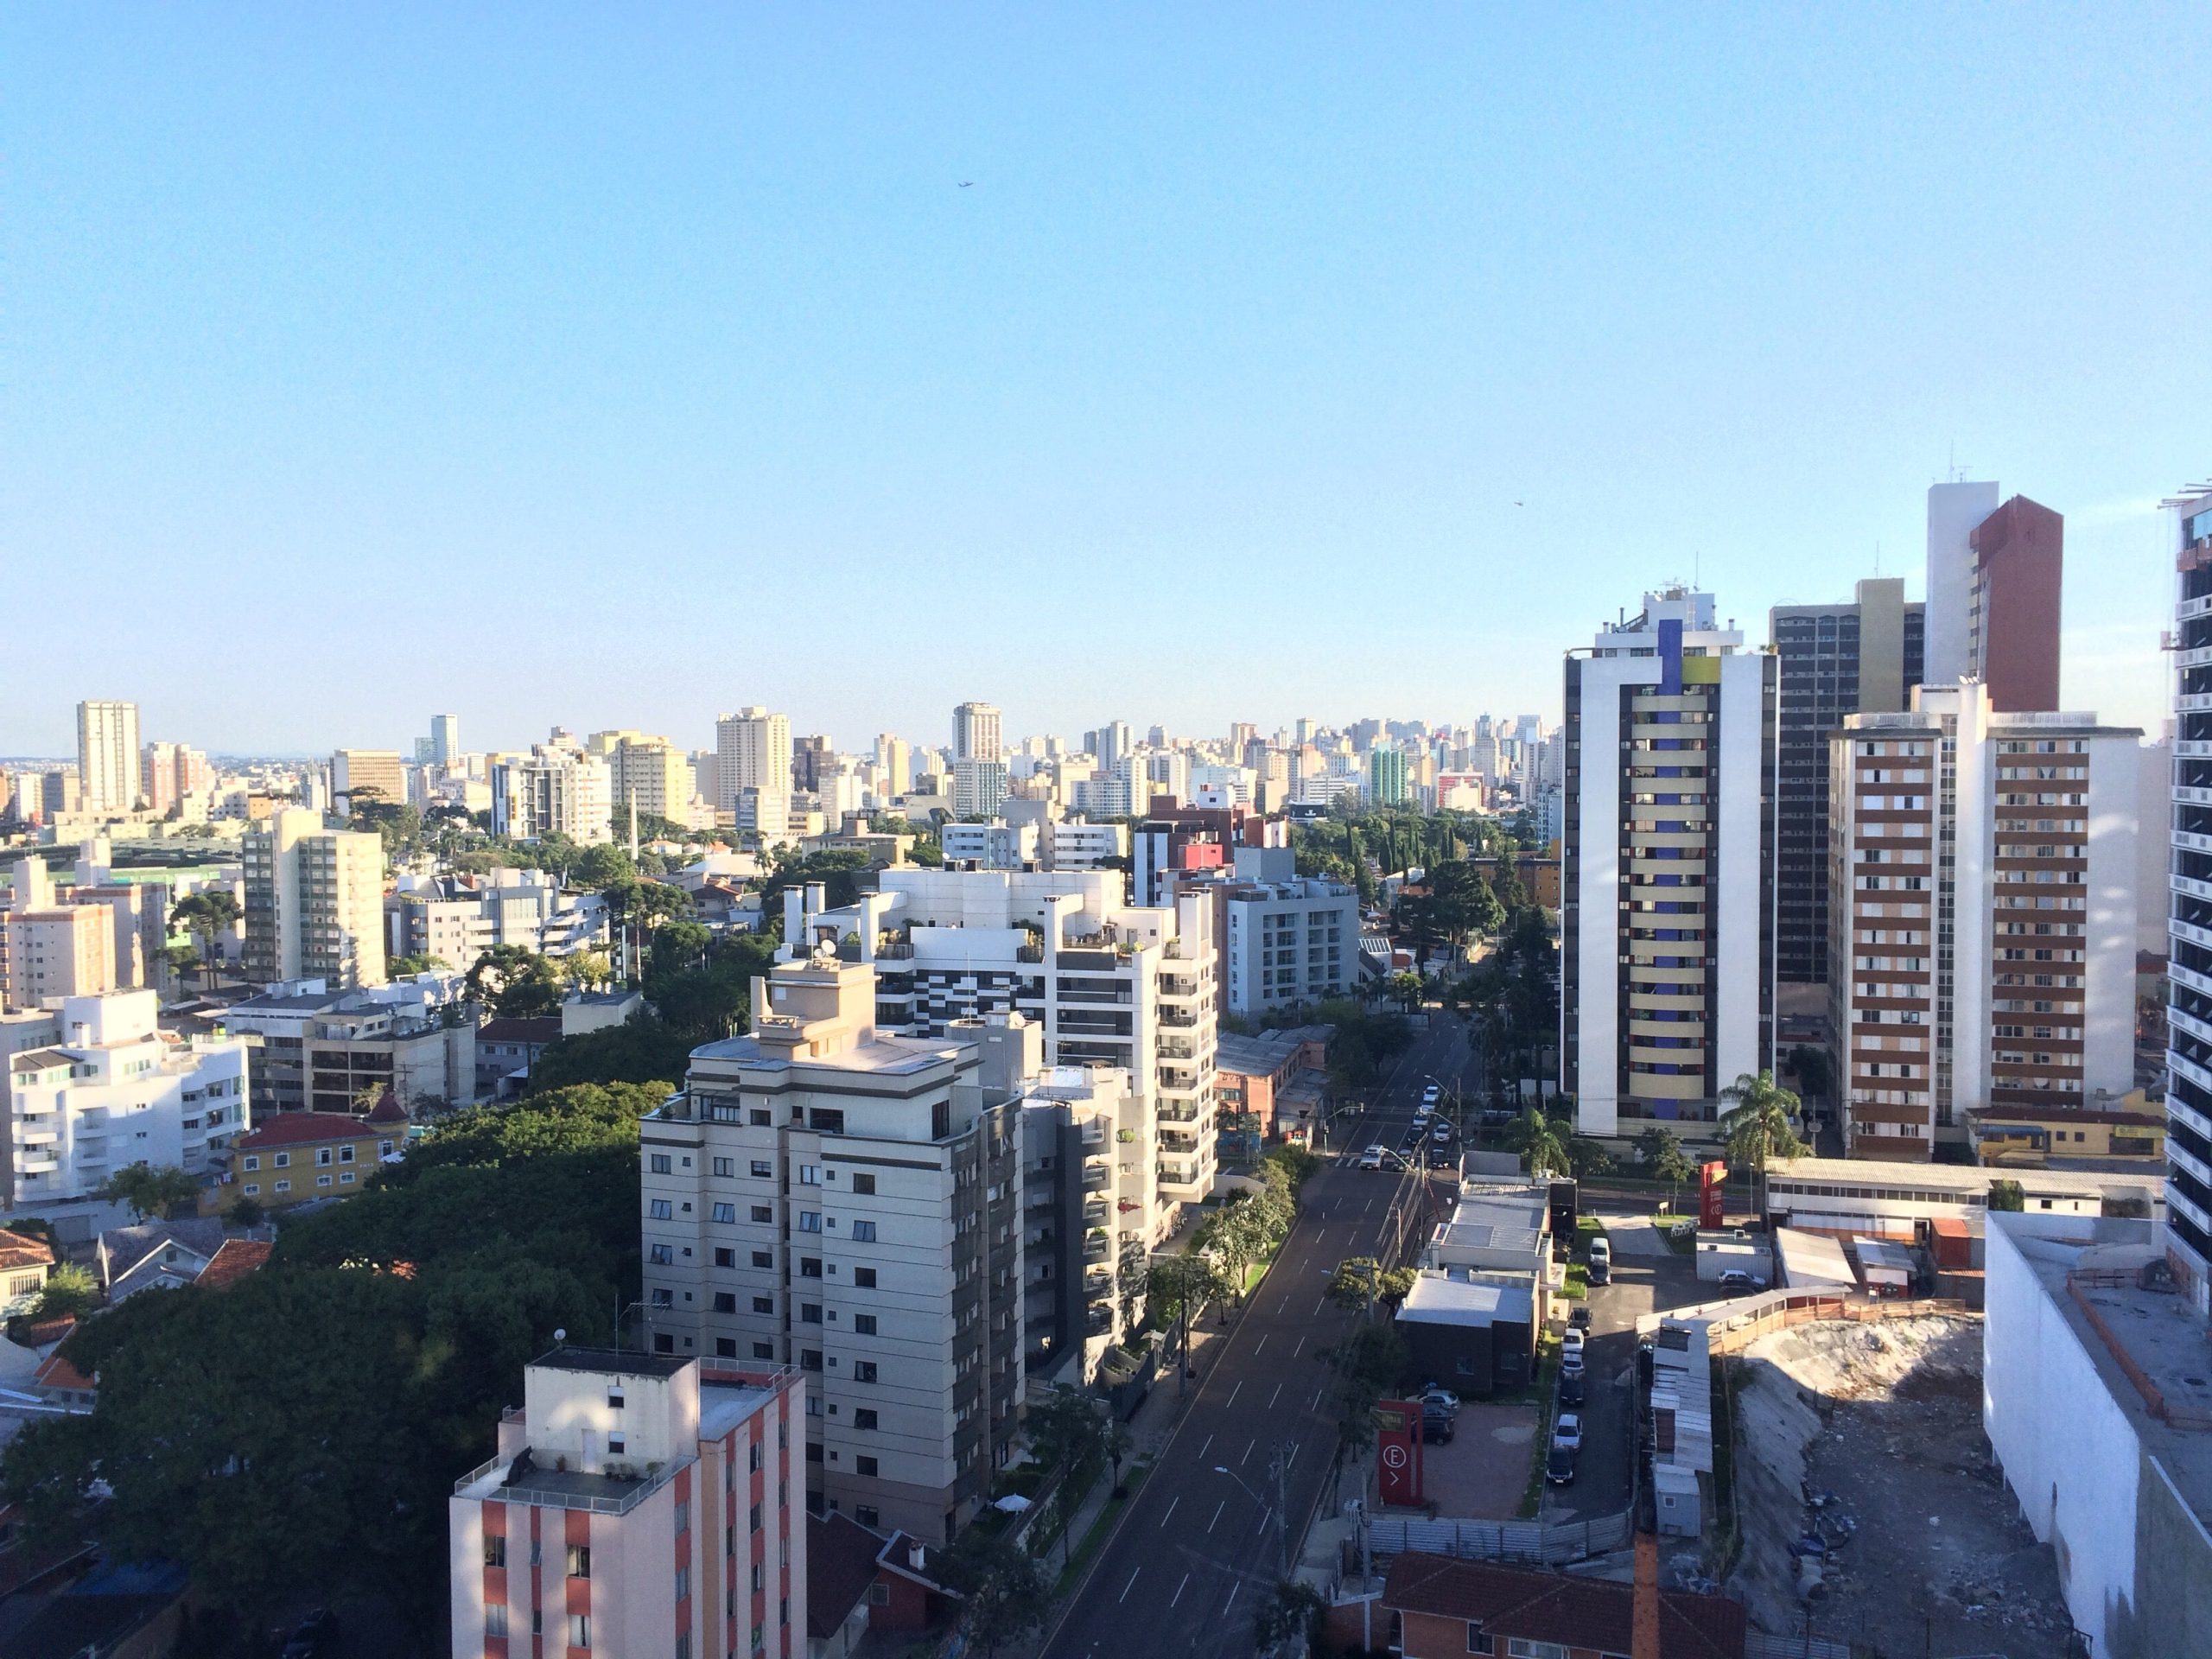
(1530, 1541)
(1757, 1644)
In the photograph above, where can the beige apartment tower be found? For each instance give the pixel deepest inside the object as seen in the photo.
(313, 902)
(107, 755)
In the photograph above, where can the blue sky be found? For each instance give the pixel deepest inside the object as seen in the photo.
(614, 366)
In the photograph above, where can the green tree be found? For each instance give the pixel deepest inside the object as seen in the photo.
(208, 916)
(1758, 1126)
(1661, 1155)
(2007, 1195)
(641, 1050)
(1067, 1433)
(601, 866)
(1587, 1159)
(404, 967)
(1465, 903)
(516, 983)
(244, 1213)
(1290, 1619)
(1004, 1597)
(1542, 1141)
(69, 1290)
(675, 947)
(151, 1191)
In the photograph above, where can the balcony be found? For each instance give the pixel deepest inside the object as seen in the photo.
(1097, 1247)
(1096, 1177)
(1094, 1211)
(1178, 1019)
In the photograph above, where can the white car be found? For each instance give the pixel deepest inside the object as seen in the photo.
(1431, 1094)
(1372, 1158)
(1442, 1398)
(1570, 1343)
(1567, 1432)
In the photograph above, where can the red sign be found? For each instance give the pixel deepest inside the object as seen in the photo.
(1709, 1178)
(1397, 1451)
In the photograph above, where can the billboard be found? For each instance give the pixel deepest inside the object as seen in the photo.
(1397, 1451)
(1709, 1180)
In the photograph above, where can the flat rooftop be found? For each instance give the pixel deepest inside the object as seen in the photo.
(627, 1361)
(885, 1057)
(1969, 1183)
(1442, 1299)
(2162, 1336)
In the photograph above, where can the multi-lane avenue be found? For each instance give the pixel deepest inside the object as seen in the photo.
(1200, 1545)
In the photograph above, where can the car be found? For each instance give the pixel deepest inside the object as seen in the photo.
(1559, 1465)
(1601, 1271)
(1570, 1365)
(1736, 1283)
(1567, 1432)
(1570, 1388)
(308, 1638)
(1372, 1158)
(1431, 1094)
(1571, 1341)
(1580, 1319)
(1440, 1133)
(1436, 1428)
(1441, 1398)
(1601, 1250)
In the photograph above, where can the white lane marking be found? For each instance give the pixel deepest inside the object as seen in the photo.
(1317, 1399)
(1261, 1344)
(1233, 1589)
(1300, 1348)
(1318, 1306)
(1370, 1205)
(1216, 1514)
(1233, 1393)
(1246, 1457)
(1130, 1585)
(1171, 1503)
(1202, 1450)
(1177, 1595)
(1276, 1396)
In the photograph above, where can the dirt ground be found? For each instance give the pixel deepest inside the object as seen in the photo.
(1482, 1473)
(1888, 1419)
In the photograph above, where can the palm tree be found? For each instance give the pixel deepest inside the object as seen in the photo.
(1760, 1125)
(1541, 1142)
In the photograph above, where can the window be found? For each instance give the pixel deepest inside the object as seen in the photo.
(579, 1561)
(879, 1595)
(682, 1514)
(322, 1157)
(322, 1180)
(683, 1583)
(864, 1278)
(661, 1256)
(810, 1220)
(253, 1161)
(660, 1210)
(682, 1637)
(344, 1154)
(863, 1370)
(723, 1212)
(495, 1618)
(865, 1514)
(284, 1160)
(283, 1186)
(725, 1166)
(863, 1185)
(809, 1266)
(495, 1551)
(725, 1258)
(764, 1305)
(864, 1325)
(662, 1299)
(863, 1232)
(764, 1258)
(827, 1121)
(866, 1465)
(810, 1359)
(764, 1350)
(725, 1347)
(661, 1165)
(864, 1417)
(764, 1212)
(810, 1174)
(725, 1302)
(253, 1189)
(752, 1464)
(1477, 1641)
(755, 1518)
(763, 1170)
(345, 1178)
(1520, 1648)
(580, 1629)
(616, 1445)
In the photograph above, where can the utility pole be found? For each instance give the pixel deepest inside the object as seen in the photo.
(1279, 1466)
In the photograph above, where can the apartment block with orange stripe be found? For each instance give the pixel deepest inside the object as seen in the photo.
(638, 1504)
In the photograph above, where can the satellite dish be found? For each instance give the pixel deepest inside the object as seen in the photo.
(560, 1336)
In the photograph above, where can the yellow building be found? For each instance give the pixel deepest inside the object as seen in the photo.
(2034, 1135)
(295, 1157)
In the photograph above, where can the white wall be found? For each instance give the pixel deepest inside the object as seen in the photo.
(2112, 921)
(1735, 894)
(1597, 891)
(1954, 509)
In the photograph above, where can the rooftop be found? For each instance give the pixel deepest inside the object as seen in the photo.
(890, 1056)
(303, 1129)
(624, 1361)
(543, 1028)
(1536, 1606)
(1445, 1297)
(2065, 1114)
(1969, 1181)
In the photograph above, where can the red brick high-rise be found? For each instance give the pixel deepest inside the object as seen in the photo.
(2012, 622)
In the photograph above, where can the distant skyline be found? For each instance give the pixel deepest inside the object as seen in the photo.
(616, 371)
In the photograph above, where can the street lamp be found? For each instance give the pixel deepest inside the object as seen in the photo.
(1278, 1463)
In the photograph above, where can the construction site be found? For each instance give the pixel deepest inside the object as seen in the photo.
(1869, 1513)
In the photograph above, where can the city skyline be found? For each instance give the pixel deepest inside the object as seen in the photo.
(637, 339)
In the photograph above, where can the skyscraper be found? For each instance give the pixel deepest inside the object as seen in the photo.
(1993, 594)
(2188, 967)
(445, 740)
(314, 901)
(1668, 958)
(976, 734)
(755, 750)
(107, 755)
(1836, 660)
(895, 764)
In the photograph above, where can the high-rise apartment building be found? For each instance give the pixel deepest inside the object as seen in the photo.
(1982, 906)
(445, 740)
(55, 951)
(811, 759)
(1836, 660)
(1993, 593)
(894, 766)
(979, 788)
(373, 774)
(827, 1196)
(753, 749)
(314, 901)
(637, 1503)
(553, 791)
(1386, 774)
(172, 773)
(978, 733)
(107, 756)
(646, 771)
(2189, 963)
(1667, 889)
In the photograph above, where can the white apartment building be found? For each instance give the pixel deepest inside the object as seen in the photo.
(894, 766)
(978, 733)
(769, 814)
(1074, 844)
(638, 1504)
(55, 951)
(314, 901)
(827, 1196)
(978, 788)
(752, 750)
(104, 1088)
(553, 791)
(996, 845)
(648, 773)
(1667, 885)
(1286, 939)
(107, 756)
(1981, 903)
(456, 919)
(2189, 963)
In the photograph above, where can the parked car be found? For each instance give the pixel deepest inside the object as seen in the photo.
(1372, 1158)
(1736, 1283)
(1570, 1389)
(1571, 1342)
(1580, 1319)
(1567, 1432)
(1436, 1428)
(1559, 1467)
(1570, 1365)
(1441, 1398)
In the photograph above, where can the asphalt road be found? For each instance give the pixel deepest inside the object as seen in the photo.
(1198, 1551)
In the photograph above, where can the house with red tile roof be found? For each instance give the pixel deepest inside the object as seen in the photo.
(1447, 1606)
(25, 1260)
(237, 1257)
(295, 1157)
